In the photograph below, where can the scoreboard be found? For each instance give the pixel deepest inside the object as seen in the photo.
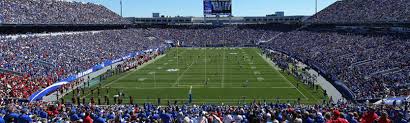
(217, 7)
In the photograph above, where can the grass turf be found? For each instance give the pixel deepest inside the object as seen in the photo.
(216, 75)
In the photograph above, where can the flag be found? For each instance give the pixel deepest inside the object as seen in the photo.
(121, 7)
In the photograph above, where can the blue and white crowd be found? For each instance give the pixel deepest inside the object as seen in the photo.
(42, 60)
(364, 11)
(257, 112)
(372, 66)
(201, 37)
(56, 12)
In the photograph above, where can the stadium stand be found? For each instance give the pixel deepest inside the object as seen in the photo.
(371, 66)
(364, 11)
(258, 112)
(56, 12)
(224, 36)
(46, 59)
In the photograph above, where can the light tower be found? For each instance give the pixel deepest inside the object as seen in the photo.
(315, 6)
(121, 8)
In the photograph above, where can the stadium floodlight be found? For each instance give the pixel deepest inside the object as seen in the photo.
(121, 7)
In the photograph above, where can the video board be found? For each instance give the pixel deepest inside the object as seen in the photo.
(217, 7)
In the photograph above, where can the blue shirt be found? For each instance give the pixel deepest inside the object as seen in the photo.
(99, 120)
(74, 117)
(166, 118)
(11, 116)
(43, 114)
(24, 119)
(2, 120)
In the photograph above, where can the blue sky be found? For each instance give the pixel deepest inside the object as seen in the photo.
(145, 8)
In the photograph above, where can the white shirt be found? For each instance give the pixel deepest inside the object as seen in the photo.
(228, 118)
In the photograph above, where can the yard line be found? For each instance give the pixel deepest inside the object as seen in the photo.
(249, 65)
(179, 77)
(271, 63)
(223, 70)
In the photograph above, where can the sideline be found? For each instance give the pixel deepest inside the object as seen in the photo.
(277, 70)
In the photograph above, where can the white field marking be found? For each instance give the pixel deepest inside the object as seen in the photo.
(165, 63)
(256, 72)
(197, 86)
(179, 77)
(260, 78)
(132, 71)
(172, 70)
(211, 100)
(223, 70)
(233, 53)
(196, 83)
(152, 72)
(215, 85)
(271, 63)
(249, 65)
(141, 79)
(159, 68)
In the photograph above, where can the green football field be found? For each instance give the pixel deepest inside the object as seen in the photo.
(213, 75)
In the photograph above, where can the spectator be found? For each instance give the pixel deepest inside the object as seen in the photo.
(364, 11)
(369, 117)
(384, 118)
(56, 12)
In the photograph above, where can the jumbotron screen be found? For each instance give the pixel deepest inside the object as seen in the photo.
(217, 7)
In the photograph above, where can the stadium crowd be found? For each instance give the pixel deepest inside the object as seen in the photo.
(56, 12)
(223, 36)
(371, 66)
(365, 11)
(256, 112)
(37, 61)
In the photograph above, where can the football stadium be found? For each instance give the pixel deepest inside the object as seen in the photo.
(211, 61)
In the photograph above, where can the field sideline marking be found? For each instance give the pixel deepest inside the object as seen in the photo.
(271, 63)
(196, 86)
(223, 70)
(211, 99)
(197, 83)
